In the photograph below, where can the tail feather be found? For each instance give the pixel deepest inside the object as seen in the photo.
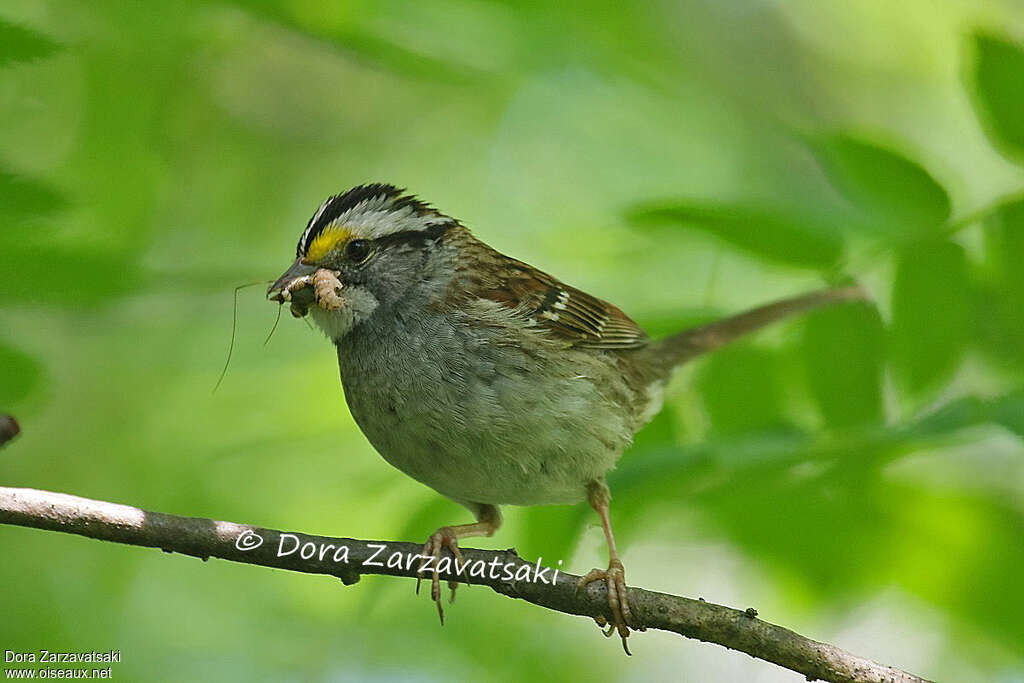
(679, 348)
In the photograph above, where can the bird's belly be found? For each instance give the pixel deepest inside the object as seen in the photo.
(478, 435)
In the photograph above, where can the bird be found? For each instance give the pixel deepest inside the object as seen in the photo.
(485, 378)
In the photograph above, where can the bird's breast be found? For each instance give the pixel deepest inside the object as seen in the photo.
(479, 418)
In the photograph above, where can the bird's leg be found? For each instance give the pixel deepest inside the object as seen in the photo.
(488, 520)
(615, 576)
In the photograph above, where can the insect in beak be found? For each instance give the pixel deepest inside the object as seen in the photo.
(298, 276)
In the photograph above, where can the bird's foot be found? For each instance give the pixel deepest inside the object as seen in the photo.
(442, 538)
(615, 580)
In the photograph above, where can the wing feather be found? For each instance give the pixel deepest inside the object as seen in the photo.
(564, 311)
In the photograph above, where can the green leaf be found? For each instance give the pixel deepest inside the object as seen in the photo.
(19, 44)
(1000, 299)
(831, 520)
(23, 198)
(1009, 412)
(771, 233)
(742, 391)
(931, 315)
(843, 350)
(966, 412)
(20, 374)
(360, 41)
(998, 86)
(897, 193)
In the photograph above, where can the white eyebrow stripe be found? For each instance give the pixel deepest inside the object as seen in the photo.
(312, 222)
(372, 211)
(375, 217)
(320, 212)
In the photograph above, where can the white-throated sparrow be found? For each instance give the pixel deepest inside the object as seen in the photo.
(481, 376)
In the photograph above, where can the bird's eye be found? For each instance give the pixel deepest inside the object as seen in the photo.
(357, 251)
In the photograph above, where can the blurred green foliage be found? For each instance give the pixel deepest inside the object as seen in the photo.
(847, 382)
(20, 44)
(898, 195)
(999, 91)
(782, 238)
(685, 160)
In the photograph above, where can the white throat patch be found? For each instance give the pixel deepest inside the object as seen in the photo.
(358, 305)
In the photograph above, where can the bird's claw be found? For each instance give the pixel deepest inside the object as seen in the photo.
(614, 578)
(438, 541)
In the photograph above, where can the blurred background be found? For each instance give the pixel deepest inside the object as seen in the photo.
(856, 475)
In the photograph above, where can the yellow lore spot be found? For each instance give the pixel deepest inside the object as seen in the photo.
(327, 240)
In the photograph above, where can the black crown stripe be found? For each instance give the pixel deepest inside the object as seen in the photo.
(340, 203)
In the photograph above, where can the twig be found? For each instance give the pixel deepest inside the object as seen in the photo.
(348, 558)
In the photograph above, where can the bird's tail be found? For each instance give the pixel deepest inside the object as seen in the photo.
(679, 348)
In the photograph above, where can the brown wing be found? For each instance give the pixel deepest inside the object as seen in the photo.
(565, 311)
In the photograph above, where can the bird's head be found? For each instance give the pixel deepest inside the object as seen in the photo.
(381, 244)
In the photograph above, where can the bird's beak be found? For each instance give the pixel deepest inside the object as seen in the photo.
(281, 290)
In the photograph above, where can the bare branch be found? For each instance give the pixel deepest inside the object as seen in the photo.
(348, 558)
